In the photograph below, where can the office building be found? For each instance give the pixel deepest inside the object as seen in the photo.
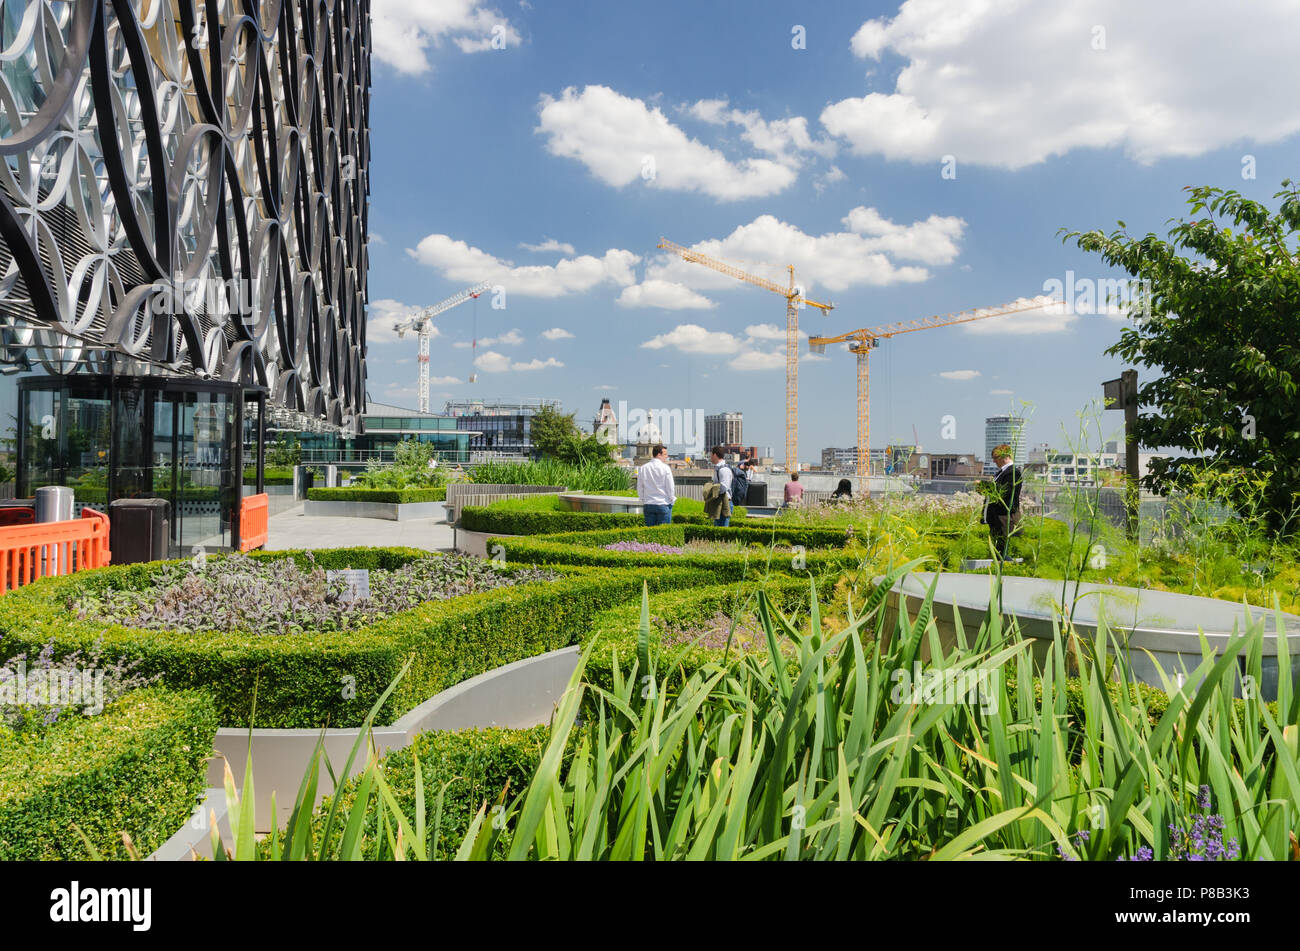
(501, 427)
(835, 459)
(384, 426)
(1004, 429)
(723, 429)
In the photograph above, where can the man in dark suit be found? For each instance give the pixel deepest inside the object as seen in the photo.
(1002, 510)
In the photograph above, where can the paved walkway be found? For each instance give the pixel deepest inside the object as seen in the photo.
(293, 529)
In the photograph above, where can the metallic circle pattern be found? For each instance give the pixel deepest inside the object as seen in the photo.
(152, 147)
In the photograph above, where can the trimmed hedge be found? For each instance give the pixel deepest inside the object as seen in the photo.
(391, 496)
(300, 679)
(139, 767)
(474, 765)
(505, 519)
(614, 632)
(825, 549)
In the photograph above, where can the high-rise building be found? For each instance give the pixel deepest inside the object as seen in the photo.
(723, 429)
(1009, 430)
(835, 458)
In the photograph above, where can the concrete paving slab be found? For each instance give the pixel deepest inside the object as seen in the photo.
(293, 529)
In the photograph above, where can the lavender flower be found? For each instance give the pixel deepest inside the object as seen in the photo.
(650, 548)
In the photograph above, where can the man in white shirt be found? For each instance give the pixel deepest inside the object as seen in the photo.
(654, 487)
(722, 475)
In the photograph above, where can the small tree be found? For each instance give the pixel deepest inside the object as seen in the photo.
(1222, 326)
(557, 435)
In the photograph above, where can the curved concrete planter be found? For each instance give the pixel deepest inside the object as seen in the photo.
(389, 510)
(1163, 629)
(195, 837)
(620, 504)
(521, 694)
(476, 543)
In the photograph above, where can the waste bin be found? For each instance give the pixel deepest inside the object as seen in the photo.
(757, 494)
(54, 503)
(139, 530)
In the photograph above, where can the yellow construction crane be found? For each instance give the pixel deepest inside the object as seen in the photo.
(793, 300)
(861, 342)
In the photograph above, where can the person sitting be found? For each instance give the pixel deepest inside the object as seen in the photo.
(793, 490)
(843, 492)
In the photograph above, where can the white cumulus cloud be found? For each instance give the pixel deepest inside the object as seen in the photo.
(458, 261)
(665, 295)
(1011, 83)
(861, 256)
(494, 362)
(692, 338)
(405, 32)
(959, 374)
(549, 244)
(622, 140)
(556, 333)
(382, 314)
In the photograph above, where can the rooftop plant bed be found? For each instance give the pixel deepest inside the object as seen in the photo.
(545, 515)
(326, 666)
(758, 551)
(137, 767)
(831, 755)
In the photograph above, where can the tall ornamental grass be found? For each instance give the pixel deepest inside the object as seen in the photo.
(841, 751)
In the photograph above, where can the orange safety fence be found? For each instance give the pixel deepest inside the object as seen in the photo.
(254, 524)
(28, 552)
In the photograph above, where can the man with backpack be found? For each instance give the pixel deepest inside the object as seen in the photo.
(731, 480)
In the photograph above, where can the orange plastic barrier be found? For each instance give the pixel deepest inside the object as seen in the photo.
(28, 552)
(16, 515)
(254, 521)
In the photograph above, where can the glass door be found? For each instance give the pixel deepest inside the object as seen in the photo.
(202, 426)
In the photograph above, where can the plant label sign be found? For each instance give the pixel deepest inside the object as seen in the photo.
(357, 581)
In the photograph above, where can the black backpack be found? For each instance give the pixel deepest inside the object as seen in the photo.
(739, 485)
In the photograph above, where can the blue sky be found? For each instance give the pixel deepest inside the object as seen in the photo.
(551, 161)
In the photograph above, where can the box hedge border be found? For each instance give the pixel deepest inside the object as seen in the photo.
(495, 521)
(138, 767)
(824, 549)
(388, 496)
(473, 765)
(331, 679)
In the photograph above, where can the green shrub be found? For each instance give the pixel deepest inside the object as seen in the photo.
(474, 766)
(313, 679)
(543, 515)
(825, 549)
(390, 496)
(592, 477)
(138, 767)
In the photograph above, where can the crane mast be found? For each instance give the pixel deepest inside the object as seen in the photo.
(421, 322)
(862, 341)
(794, 299)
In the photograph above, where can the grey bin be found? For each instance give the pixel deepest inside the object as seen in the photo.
(139, 530)
(54, 503)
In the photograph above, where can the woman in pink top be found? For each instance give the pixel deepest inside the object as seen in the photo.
(793, 490)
